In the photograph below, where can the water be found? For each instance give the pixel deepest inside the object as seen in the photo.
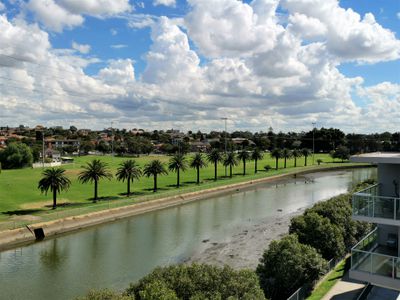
(115, 254)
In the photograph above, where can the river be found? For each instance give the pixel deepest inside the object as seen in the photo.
(114, 254)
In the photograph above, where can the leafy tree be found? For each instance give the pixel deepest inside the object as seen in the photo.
(93, 172)
(342, 153)
(287, 265)
(176, 164)
(128, 170)
(199, 282)
(286, 153)
(15, 156)
(296, 154)
(318, 232)
(103, 147)
(54, 180)
(244, 156)
(256, 155)
(277, 154)
(214, 157)
(156, 290)
(306, 153)
(198, 162)
(230, 161)
(154, 168)
(104, 294)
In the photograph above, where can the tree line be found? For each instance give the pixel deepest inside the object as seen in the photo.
(325, 231)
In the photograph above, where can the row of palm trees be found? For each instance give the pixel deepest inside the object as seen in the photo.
(55, 180)
(287, 153)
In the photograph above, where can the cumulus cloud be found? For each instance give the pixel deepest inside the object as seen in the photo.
(119, 71)
(82, 48)
(164, 2)
(2, 6)
(96, 7)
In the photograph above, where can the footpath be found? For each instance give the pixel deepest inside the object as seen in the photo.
(345, 289)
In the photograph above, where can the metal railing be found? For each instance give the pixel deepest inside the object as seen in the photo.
(365, 258)
(368, 203)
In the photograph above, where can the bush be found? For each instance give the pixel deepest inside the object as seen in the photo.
(105, 294)
(318, 232)
(16, 155)
(319, 161)
(287, 265)
(267, 168)
(197, 282)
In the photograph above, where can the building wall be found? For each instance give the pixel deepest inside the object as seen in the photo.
(387, 174)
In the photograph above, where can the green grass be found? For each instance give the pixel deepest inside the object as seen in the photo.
(329, 281)
(19, 195)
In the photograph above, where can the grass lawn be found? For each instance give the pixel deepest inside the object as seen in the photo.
(329, 281)
(20, 197)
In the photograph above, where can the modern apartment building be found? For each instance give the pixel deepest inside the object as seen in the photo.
(376, 258)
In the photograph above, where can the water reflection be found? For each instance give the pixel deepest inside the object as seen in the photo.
(53, 256)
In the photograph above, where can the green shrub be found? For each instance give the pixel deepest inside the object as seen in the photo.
(267, 168)
(104, 294)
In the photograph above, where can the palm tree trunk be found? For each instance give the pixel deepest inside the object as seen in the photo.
(129, 187)
(54, 198)
(177, 179)
(244, 167)
(155, 183)
(285, 163)
(230, 171)
(95, 191)
(276, 166)
(255, 166)
(198, 175)
(295, 161)
(305, 160)
(215, 170)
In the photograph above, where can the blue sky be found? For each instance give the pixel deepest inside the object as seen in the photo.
(187, 63)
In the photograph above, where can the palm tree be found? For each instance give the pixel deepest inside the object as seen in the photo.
(256, 155)
(277, 154)
(197, 163)
(54, 180)
(154, 168)
(214, 157)
(176, 164)
(244, 156)
(129, 171)
(296, 153)
(286, 153)
(93, 172)
(230, 160)
(306, 153)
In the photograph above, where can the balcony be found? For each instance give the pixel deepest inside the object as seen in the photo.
(369, 206)
(375, 263)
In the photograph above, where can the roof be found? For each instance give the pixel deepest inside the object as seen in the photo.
(377, 157)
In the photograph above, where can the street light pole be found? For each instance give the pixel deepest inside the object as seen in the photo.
(313, 141)
(225, 119)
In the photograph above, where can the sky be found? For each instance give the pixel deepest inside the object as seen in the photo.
(185, 64)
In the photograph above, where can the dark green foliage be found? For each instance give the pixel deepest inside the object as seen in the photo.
(244, 156)
(256, 155)
(296, 153)
(342, 153)
(277, 154)
(214, 157)
(318, 232)
(230, 161)
(15, 156)
(287, 265)
(190, 282)
(286, 154)
(306, 153)
(105, 294)
(54, 180)
(198, 162)
(93, 172)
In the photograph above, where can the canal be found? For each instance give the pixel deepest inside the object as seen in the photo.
(114, 254)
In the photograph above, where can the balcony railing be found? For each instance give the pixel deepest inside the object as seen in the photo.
(368, 203)
(366, 258)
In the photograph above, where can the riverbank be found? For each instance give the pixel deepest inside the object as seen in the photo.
(12, 238)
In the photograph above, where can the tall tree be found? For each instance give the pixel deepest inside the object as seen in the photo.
(306, 153)
(256, 155)
(296, 154)
(154, 168)
(176, 164)
(198, 163)
(286, 154)
(128, 170)
(54, 180)
(244, 156)
(277, 154)
(93, 172)
(214, 157)
(230, 161)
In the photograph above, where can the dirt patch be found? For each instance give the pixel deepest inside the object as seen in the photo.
(44, 204)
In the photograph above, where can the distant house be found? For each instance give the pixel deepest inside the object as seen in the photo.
(241, 141)
(52, 143)
(199, 146)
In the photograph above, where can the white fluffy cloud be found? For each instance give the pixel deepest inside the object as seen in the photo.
(2, 6)
(82, 48)
(57, 15)
(164, 2)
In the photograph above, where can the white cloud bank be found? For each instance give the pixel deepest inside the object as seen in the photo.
(246, 65)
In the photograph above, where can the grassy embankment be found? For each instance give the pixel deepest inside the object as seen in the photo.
(20, 199)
